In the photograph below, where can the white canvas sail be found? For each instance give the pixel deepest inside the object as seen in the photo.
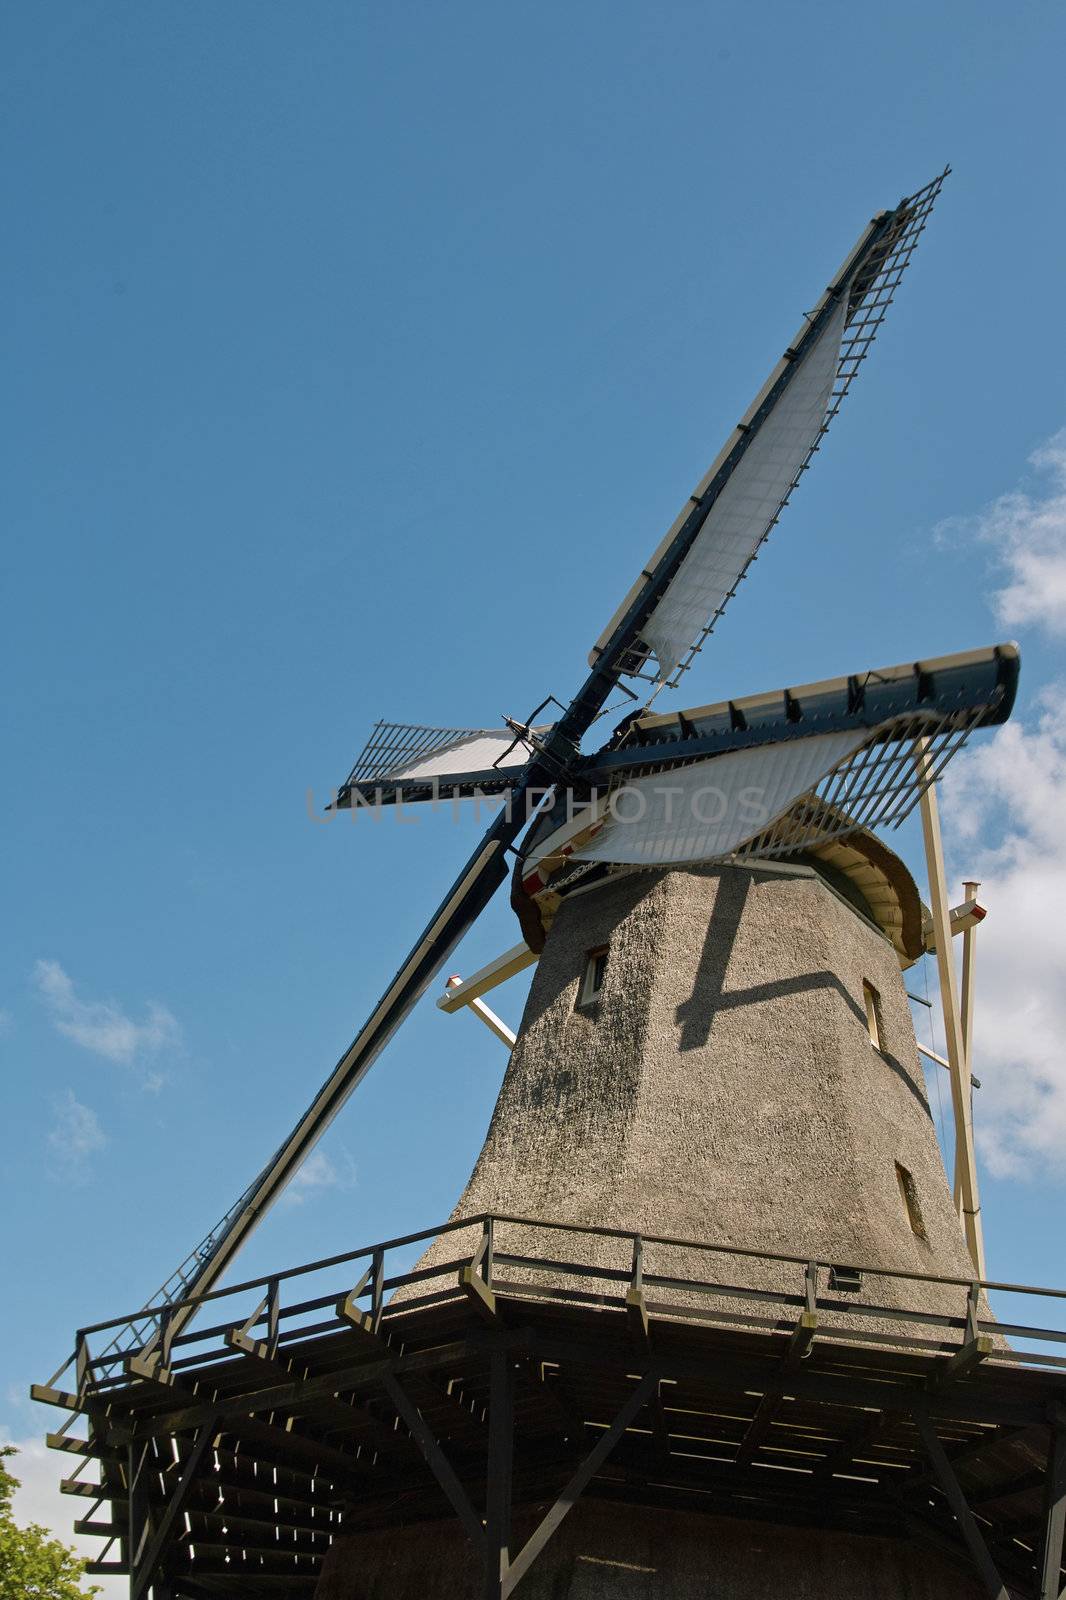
(709, 809)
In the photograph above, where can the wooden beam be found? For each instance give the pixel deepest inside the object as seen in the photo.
(855, 1443)
(837, 1387)
(70, 1445)
(428, 1395)
(336, 1414)
(48, 1396)
(285, 1396)
(758, 1428)
(279, 1446)
(487, 978)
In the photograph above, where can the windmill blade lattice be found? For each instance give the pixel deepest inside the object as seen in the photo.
(736, 505)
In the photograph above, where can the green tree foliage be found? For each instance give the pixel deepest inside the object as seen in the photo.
(33, 1565)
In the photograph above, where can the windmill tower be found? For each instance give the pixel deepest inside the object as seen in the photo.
(704, 1320)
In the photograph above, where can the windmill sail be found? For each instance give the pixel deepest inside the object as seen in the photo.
(707, 810)
(748, 505)
(768, 774)
(404, 761)
(795, 781)
(732, 510)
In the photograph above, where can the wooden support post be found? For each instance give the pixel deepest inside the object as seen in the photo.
(976, 1346)
(965, 1162)
(138, 1468)
(969, 953)
(803, 1334)
(242, 1338)
(367, 1323)
(476, 1279)
(971, 1533)
(377, 1292)
(636, 1305)
(500, 1472)
(273, 1313)
(1054, 1518)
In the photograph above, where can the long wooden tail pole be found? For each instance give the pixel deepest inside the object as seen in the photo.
(958, 1061)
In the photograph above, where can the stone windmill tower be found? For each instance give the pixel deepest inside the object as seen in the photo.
(707, 1319)
(711, 1051)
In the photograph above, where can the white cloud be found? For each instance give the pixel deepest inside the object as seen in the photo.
(5, 1021)
(318, 1173)
(1004, 801)
(38, 1500)
(75, 1136)
(1028, 533)
(101, 1025)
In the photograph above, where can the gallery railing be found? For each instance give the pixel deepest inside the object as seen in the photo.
(376, 1287)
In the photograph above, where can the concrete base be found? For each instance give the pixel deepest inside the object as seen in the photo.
(610, 1552)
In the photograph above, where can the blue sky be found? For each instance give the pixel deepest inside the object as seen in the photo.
(358, 357)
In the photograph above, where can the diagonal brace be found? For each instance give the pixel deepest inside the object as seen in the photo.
(143, 1570)
(587, 1470)
(971, 1533)
(435, 1460)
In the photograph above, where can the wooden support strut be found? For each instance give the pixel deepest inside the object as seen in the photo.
(143, 1570)
(138, 1466)
(969, 954)
(435, 1459)
(1054, 1517)
(573, 1490)
(636, 1305)
(965, 1162)
(499, 1474)
(971, 1533)
(799, 1348)
(475, 1279)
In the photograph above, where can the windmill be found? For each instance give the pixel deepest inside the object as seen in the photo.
(749, 819)
(655, 635)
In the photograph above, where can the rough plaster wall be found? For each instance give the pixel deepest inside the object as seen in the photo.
(765, 1118)
(606, 1552)
(724, 1088)
(556, 1145)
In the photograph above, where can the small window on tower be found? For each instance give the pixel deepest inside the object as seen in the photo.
(873, 1014)
(910, 1201)
(592, 977)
